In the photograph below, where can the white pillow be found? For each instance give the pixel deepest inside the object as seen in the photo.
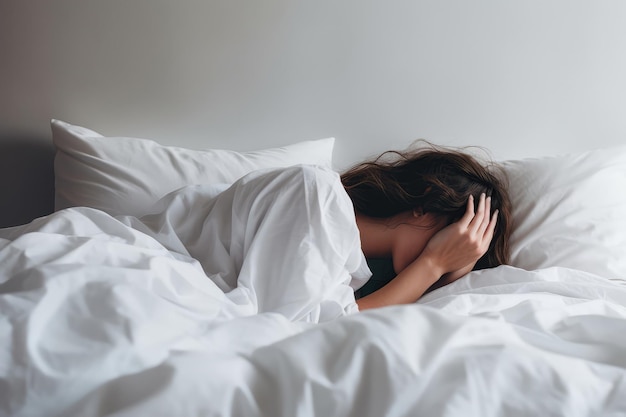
(126, 176)
(570, 211)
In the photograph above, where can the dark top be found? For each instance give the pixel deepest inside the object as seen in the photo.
(382, 273)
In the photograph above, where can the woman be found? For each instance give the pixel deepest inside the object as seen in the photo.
(285, 240)
(435, 214)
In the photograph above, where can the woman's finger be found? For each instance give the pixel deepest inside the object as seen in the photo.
(486, 218)
(480, 213)
(492, 226)
(488, 233)
(469, 213)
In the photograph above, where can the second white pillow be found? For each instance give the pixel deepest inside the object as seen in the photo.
(126, 176)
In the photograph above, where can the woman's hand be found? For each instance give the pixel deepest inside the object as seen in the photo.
(455, 249)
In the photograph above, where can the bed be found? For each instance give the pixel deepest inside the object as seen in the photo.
(124, 302)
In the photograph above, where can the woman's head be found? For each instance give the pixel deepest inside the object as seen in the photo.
(433, 181)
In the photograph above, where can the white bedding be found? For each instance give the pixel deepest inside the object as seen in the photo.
(172, 316)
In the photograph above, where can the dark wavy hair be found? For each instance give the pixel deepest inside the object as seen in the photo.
(432, 180)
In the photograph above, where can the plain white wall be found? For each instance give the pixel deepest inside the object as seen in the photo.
(521, 78)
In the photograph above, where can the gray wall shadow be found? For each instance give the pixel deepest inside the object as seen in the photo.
(26, 178)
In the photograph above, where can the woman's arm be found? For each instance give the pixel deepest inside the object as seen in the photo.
(406, 287)
(450, 251)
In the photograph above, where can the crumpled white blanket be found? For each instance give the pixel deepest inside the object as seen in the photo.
(80, 284)
(172, 317)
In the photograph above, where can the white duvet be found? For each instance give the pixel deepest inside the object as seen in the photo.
(240, 302)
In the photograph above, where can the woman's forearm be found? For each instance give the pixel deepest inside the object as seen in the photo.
(410, 284)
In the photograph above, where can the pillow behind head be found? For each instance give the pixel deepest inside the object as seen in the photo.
(570, 211)
(126, 176)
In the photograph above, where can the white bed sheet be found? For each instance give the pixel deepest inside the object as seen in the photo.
(100, 318)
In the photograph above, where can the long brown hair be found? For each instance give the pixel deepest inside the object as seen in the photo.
(433, 180)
